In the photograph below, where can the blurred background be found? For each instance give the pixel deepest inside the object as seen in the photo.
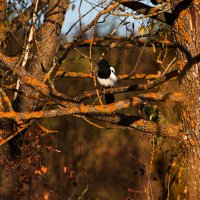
(110, 162)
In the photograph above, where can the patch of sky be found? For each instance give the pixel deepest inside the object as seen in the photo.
(105, 24)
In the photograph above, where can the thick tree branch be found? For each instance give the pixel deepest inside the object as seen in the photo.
(72, 108)
(46, 50)
(166, 17)
(96, 112)
(62, 73)
(19, 21)
(32, 81)
(150, 127)
(139, 87)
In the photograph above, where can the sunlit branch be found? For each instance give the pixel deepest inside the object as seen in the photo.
(25, 15)
(72, 108)
(175, 96)
(129, 88)
(135, 122)
(28, 45)
(20, 129)
(98, 110)
(6, 99)
(62, 73)
(31, 81)
(166, 17)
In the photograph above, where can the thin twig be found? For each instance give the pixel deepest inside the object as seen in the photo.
(28, 45)
(6, 99)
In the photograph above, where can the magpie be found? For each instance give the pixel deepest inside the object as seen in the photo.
(106, 78)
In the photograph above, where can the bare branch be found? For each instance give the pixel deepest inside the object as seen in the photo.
(139, 87)
(96, 112)
(166, 17)
(149, 127)
(72, 108)
(62, 73)
(6, 99)
(31, 80)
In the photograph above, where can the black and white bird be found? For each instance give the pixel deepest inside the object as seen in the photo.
(106, 78)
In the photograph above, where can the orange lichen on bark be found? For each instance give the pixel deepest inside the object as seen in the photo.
(184, 114)
(7, 59)
(30, 115)
(187, 37)
(33, 82)
(176, 96)
(170, 131)
(180, 26)
(10, 115)
(42, 85)
(105, 109)
(151, 126)
(62, 73)
(193, 124)
(138, 76)
(27, 80)
(154, 10)
(152, 95)
(42, 30)
(44, 169)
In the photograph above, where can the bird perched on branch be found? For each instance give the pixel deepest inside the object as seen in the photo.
(106, 78)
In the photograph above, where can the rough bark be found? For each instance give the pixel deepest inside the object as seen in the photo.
(46, 48)
(188, 35)
(185, 21)
(3, 5)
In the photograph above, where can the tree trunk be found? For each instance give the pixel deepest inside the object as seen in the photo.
(46, 48)
(187, 34)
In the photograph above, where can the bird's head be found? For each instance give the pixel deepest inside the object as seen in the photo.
(103, 64)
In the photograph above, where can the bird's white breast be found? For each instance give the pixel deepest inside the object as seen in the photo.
(109, 82)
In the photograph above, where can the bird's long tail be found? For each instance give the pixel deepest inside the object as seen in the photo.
(109, 98)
